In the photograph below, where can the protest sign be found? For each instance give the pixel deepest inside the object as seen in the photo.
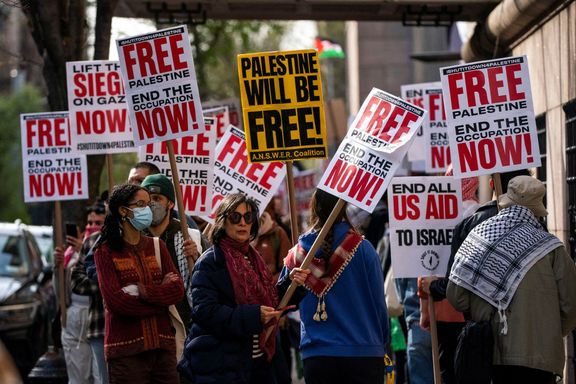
(423, 214)
(282, 105)
(304, 185)
(98, 112)
(385, 122)
(358, 173)
(195, 158)
(233, 105)
(414, 94)
(490, 116)
(233, 173)
(51, 171)
(220, 120)
(160, 82)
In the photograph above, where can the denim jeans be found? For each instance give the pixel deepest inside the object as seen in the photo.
(97, 346)
(419, 354)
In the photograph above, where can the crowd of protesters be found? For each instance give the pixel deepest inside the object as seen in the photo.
(136, 285)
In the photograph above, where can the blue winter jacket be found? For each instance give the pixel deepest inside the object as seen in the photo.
(357, 324)
(218, 347)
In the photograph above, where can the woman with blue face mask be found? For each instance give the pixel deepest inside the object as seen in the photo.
(139, 343)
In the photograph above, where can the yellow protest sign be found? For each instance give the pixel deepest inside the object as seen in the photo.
(282, 105)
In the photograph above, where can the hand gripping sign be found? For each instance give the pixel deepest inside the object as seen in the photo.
(51, 172)
(358, 172)
(282, 105)
(233, 173)
(423, 214)
(98, 112)
(160, 81)
(490, 116)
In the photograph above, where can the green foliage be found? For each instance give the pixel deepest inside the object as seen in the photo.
(121, 165)
(215, 45)
(26, 100)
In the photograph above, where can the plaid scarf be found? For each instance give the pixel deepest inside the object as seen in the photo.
(319, 282)
(252, 283)
(498, 253)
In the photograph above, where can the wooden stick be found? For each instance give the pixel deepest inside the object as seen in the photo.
(292, 202)
(310, 256)
(497, 187)
(434, 335)
(61, 280)
(110, 175)
(179, 201)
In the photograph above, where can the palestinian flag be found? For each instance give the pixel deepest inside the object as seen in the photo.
(329, 49)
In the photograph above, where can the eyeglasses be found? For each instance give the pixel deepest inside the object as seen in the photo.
(139, 203)
(235, 217)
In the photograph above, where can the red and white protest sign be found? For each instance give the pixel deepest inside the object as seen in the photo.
(490, 116)
(161, 88)
(233, 173)
(304, 186)
(360, 174)
(385, 122)
(98, 112)
(221, 120)
(234, 109)
(423, 213)
(194, 156)
(51, 172)
(414, 94)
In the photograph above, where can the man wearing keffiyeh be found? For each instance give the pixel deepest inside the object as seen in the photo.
(511, 265)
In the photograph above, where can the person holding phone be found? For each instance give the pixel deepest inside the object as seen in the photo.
(234, 297)
(80, 365)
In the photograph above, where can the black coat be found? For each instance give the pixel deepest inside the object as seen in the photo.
(218, 348)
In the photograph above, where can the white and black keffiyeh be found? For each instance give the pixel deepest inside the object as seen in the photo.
(498, 253)
(183, 265)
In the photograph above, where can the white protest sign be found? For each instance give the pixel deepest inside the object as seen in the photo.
(233, 173)
(490, 116)
(221, 117)
(358, 173)
(385, 122)
(234, 109)
(98, 112)
(161, 88)
(423, 214)
(50, 170)
(195, 158)
(414, 94)
(436, 144)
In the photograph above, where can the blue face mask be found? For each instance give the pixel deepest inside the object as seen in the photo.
(142, 218)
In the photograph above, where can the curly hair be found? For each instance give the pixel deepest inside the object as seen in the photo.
(228, 205)
(321, 206)
(112, 229)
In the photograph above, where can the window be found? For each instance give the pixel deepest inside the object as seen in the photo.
(541, 130)
(570, 111)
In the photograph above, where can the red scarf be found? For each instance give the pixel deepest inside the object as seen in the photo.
(252, 283)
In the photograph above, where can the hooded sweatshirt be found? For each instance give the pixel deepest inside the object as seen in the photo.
(357, 323)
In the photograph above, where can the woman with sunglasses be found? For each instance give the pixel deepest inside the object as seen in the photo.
(139, 340)
(234, 298)
(344, 326)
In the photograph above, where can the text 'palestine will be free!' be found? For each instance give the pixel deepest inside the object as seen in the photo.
(282, 105)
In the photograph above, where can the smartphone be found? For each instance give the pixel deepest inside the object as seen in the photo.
(71, 229)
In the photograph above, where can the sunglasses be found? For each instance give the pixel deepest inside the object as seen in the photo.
(235, 217)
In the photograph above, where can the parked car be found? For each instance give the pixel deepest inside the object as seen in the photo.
(26, 296)
(43, 235)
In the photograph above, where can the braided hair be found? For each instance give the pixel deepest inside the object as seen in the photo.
(321, 207)
(112, 229)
